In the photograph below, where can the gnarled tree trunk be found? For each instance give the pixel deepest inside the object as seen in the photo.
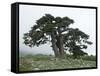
(61, 48)
(54, 46)
(60, 43)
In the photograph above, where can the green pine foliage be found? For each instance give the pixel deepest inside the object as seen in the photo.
(74, 40)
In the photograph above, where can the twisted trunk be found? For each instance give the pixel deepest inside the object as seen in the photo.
(60, 43)
(54, 46)
(57, 43)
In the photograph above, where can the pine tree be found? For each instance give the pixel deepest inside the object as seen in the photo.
(56, 30)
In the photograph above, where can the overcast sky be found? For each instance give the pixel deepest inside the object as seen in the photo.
(84, 20)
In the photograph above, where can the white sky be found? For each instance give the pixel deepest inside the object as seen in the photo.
(84, 20)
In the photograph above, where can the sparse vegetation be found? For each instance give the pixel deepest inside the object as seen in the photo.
(45, 62)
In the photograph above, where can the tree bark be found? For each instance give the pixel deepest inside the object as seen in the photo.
(60, 46)
(54, 46)
(60, 43)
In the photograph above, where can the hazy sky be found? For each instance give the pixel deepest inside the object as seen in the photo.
(84, 20)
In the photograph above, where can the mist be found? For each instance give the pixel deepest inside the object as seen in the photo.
(84, 20)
